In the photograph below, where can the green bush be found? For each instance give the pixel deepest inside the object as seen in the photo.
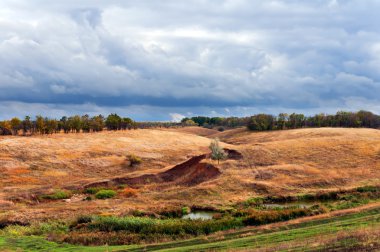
(92, 190)
(105, 194)
(57, 195)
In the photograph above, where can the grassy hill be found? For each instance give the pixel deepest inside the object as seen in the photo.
(292, 163)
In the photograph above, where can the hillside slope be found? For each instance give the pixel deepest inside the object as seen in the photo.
(274, 163)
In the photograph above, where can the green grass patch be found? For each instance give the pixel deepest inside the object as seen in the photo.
(105, 194)
(57, 195)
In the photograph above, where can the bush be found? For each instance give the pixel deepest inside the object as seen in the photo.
(134, 160)
(105, 194)
(92, 190)
(57, 195)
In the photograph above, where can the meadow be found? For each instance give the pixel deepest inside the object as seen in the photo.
(82, 189)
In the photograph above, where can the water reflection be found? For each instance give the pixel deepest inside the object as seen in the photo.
(198, 215)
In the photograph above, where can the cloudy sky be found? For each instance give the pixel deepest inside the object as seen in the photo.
(161, 60)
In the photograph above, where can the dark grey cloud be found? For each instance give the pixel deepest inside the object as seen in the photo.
(175, 58)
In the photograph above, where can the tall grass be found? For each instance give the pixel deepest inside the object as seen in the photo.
(143, 225)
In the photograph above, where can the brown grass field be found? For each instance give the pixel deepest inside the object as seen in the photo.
(274, 163)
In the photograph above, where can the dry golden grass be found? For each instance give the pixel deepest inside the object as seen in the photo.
(278, 162)
(196, 131)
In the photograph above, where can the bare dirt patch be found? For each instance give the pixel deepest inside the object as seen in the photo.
(191, 172)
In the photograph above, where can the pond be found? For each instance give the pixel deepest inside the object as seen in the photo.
(198, 215)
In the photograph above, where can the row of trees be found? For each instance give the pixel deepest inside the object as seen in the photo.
(261, 122)
(209, 122)
(364, 119)
(73, 124)
(148, 125)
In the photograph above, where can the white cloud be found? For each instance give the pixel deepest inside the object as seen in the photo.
(175, 117)
(277, 54)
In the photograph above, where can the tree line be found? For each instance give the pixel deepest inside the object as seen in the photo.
(74, 124)
(263, 122)
(360, 119)
(210, 122)
(258, 122)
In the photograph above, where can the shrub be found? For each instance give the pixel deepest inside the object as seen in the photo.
(105, 194)
(134, 160)
(57, 195)
(92, 190)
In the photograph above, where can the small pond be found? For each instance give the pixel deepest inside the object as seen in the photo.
(199, 215)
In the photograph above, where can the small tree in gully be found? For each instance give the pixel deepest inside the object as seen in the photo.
(134, 160)
(217, 152)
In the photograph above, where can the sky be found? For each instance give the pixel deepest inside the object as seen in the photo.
(165, 60)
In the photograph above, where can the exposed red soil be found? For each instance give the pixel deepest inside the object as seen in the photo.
(189, 173)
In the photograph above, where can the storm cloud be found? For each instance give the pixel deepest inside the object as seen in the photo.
(160, 60)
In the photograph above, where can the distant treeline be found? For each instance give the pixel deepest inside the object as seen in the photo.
(210, 122)
(263, 122)
(259, 122)
(73, 124)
